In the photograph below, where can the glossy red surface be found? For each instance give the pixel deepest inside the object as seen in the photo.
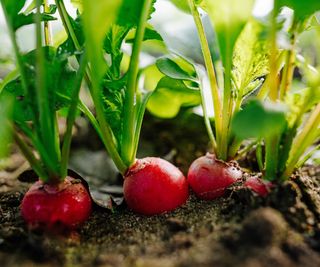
(154, 186)
(209, 177)
(67, 204)
(259, 186)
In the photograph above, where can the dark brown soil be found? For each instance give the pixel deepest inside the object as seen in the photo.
(238, 230)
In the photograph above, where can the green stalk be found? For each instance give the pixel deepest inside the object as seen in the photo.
(127, 146)
(259, 156)
(48, 42)
(140, 116)
(271, 159)
(234, 147)
(108, 138)
(67, 23)
(71, 118)
(263, 93)
(206, 118)
(86, 111)
(42, 150)
(47, 26)
(289, 66)
(273, 80)
(34, 163)
(71, 33)
(47, 128)
(307, 156)
(211, 74)
(20, 65)
(244, 150)
(303, 140)
(226, 110)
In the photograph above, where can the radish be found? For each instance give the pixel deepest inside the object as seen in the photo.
(153, 186)
(259, 186)
(209, 177)
(67, 204)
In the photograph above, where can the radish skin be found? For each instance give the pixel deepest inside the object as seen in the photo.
(259, 186)
(67, 204)
(154, 186)
(209, 177)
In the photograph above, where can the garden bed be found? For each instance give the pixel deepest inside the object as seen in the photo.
(240, 229)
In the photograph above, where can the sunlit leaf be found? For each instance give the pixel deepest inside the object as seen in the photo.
(259, 120)
(17, 19)
(228, 18)
(170, 95)
(98, 17)
(59, 78)
(302, 9)
(250, 57)
(173, 70)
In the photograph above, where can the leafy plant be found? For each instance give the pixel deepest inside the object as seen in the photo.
(119, 100)
(287, 132)
(243, 54)
(238, 73)
(45, 74)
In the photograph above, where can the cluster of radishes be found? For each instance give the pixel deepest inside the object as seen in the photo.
(151, 186)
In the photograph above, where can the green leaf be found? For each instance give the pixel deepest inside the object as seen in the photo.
(33, 5)
(173, 70)
(113, 100)
(170, 95)
(228, 18)
(98, 17)
(250, 57)
(17, 19)
(259, 120)
(59, 78)
(129, 12)
(149, 34)
(77, 4)
(5, 129)
(22, 20)
(302, 9)
(300, 102)
(183, 4)
(127, 19)
(67, 48)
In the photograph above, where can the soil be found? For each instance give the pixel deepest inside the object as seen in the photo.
(240, 229)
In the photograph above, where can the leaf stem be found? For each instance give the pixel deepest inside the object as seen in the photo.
(67, 23)
(271, 158)
(127, 146)
(244, 150)
(71, 117)
(46, 117)
(140, 114)
(289, 66)
(20, 65)
(206, 116)
(227, 108)
(273, 81)
(71, 33)
(211, 73)
(34, 163)
(304, 139)
(307, 156)
(47, 26)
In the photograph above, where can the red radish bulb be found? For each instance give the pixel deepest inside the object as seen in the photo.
(259, 186)
(154, 186)
(209, 177)
(67, 204)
